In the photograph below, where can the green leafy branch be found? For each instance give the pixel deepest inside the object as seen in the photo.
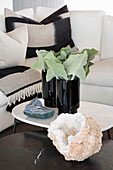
(67, 64)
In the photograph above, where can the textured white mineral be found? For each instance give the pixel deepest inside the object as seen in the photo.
(75, 136)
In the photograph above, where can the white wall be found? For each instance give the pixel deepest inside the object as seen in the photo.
(106, 5)
(5, 4)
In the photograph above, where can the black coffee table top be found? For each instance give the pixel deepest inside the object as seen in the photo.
(19, 152)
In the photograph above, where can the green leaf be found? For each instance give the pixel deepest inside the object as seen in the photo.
(67, 64)
(62, 56)
(68, 50)
(91, 53)
(74, 65)
(49, 75)
(81, 74)
(86, 67)
(36, 65)
(40, 63)
(55, 67)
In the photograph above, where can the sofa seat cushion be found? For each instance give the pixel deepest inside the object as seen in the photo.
(29, 63)
(101, 74)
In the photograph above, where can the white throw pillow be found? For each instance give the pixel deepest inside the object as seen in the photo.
(13, 47)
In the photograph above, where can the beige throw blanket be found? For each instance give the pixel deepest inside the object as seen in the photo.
(20, 85)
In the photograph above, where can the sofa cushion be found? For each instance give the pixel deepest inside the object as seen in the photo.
(87, 29)
(49, 34)
(107, 38)
(101, 74)
(13, 47)
(30, 61)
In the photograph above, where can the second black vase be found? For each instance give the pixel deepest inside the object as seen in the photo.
(68, 96)
(48, 91)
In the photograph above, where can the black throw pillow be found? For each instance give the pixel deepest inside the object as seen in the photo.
(52, 33)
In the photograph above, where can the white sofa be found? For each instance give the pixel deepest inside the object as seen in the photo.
(93, 29)
(90, 29)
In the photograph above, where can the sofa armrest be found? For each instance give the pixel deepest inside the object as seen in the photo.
(3, 99)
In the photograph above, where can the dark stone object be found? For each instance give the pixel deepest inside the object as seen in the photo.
(68, 95)
(34, 151)
(36, 109)
(48, 91)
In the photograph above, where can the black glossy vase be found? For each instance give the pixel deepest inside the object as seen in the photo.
(68, 96)
(48, 91)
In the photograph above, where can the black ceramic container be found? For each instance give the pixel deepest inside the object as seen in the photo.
(48, 91)
(67, 95)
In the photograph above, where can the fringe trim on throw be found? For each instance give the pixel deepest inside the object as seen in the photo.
(27, 92)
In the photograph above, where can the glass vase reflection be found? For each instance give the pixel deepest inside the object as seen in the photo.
(68, 95)
(48, 91)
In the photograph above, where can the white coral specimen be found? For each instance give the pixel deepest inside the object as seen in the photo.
(75, 136)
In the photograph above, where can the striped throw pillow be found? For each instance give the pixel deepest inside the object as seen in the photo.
(52, 33)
